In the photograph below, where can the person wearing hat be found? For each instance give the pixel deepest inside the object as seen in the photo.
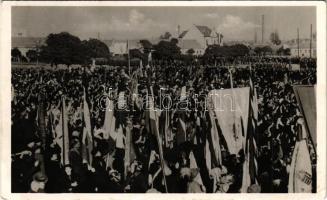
(114, 184)
(38, 183)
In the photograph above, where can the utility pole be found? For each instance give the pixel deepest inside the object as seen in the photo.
(298, 43)
(255, 36)
(128, 59)
(263, 28)
(310, 40)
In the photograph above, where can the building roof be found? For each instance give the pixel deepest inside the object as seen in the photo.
(132, 44)
(182, 34)
(206, 31)
(27, 42)
(189, 44)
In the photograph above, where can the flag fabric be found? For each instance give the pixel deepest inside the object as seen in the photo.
(62, 134)
(12, 93)
(306, 98)
(231, 107)
(181, 129)
(194, 165)
(87, 138)
(183, 93)
(109, 121)
(213, 151)
(300, 176)
(250, 165)
(41, 127)
(121, 101)
(129, 148)
(154, 128)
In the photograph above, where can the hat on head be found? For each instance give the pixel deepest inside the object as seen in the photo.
(39, 176)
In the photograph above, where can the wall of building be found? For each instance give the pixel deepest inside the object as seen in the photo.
(194, 34)
(303, 52)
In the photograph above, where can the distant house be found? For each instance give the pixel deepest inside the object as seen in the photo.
(203, 35)
(119, 47)
(24, 44)
(304, 49)
(185, 45)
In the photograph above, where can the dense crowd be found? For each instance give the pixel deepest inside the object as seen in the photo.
(275, 134)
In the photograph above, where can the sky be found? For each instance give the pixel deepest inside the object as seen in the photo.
(235, 23)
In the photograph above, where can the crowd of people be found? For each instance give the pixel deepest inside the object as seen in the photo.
(38, 167)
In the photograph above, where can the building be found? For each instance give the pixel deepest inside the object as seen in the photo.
(119, 47)
(203, 35)
(304, 49)
(198, 38)
(185, 45)
(24, 44)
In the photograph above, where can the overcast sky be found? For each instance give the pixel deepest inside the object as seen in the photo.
(236, 23)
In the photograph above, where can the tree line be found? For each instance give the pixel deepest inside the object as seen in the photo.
(65, 48)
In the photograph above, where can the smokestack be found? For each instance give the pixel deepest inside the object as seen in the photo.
(263, 28)
(298, 41)
(310, 40)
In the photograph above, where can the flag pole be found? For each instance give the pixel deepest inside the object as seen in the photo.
(41, 120)
(128, 59)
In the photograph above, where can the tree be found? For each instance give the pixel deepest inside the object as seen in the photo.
(274, 38)
(282, 51)
(31, 55)
(190, 52)
(15, 53)
(147, 46)
(263, 50)
(136, 53)
(96, 48)
(165, 50)
(63, 48)
(174, 41)
(287, 51)
(215, 51)
(165, 36)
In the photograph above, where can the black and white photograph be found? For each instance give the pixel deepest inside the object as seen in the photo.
(164, 99)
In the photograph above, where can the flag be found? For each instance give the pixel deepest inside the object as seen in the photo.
(213, 151)
(62, 134)
(129, 148)
(141, 69)
(306, 98)
(149, 58)
(250, 165)
(121, 101)
(300, 176)
(87, 138)
(12, 93)
(109, 121)
(41, 126)
(194, 165)
(183, 93)
(153, 122)
(231, 107)
(181, 129)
